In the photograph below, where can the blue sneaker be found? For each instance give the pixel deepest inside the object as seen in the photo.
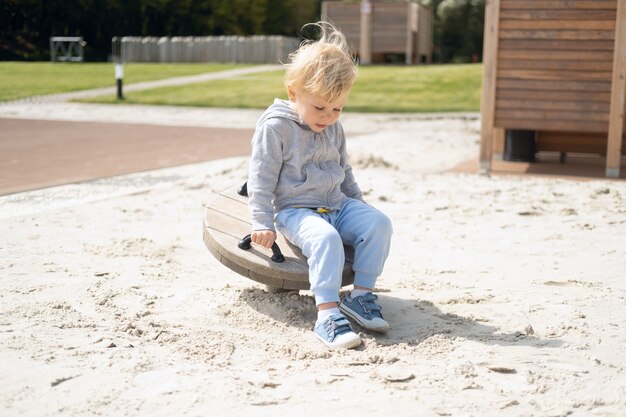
(364, 310)
(336, 333)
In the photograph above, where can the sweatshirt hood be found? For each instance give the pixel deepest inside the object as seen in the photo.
(280, 108)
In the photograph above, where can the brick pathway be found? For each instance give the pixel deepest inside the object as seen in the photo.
(36, 152)
(41, 153)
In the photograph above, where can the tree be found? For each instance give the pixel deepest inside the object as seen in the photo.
(458, 29)
(27, 25)
(286, 17)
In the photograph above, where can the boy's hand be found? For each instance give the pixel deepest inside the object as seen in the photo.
(264, 238)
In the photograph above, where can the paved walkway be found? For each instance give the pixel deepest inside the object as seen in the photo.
(47, 141)
(41, 153)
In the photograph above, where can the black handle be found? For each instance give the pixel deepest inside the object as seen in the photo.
(277, 257)
(243, 190)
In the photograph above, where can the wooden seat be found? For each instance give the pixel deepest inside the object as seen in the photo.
(227, 220)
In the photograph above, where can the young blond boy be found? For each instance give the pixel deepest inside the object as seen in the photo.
(301, 184)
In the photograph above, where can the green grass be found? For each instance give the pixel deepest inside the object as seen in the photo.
(426, 88)
(249, 91)
(24, 79)
(434, 88)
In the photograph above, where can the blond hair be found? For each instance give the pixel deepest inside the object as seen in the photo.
(323, 67)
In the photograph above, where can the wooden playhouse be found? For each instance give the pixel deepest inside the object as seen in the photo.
(555, 70)
(378, 30)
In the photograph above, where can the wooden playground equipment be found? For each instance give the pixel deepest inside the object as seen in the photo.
(376, 29)
(556, 69)
(226, 228)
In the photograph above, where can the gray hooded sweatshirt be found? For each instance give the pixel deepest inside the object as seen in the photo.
(293, 166)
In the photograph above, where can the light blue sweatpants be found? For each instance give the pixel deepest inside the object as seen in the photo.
(321, 237)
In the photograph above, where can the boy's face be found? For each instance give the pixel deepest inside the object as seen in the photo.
(314, 111)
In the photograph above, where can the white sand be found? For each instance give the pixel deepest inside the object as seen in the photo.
(506, 295)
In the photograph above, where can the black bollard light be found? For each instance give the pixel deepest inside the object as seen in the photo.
(117, 56)
(119, 78)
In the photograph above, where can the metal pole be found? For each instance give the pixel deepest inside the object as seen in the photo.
(119, 66)
(119, 78)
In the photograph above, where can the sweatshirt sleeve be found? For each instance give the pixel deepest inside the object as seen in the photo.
(349, 185)
(265, 166)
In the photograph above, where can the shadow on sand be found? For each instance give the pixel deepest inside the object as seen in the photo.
(412, 321)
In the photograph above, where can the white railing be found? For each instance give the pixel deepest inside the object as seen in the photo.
(231, 49)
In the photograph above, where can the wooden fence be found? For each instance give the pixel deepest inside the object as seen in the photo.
(230, 49)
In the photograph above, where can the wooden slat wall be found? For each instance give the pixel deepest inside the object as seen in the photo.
(554, 65)
(347, 17)
(578, 142)
(389, 27)
(396, 26)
